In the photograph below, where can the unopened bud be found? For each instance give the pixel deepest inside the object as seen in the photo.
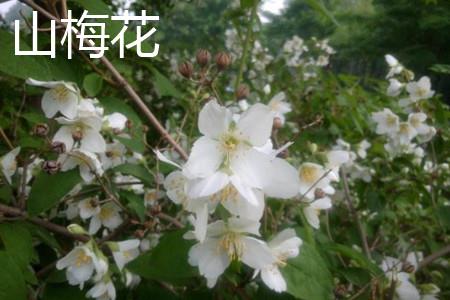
(129, 124)
(408, 267)
(77, 135)
(155, 209)
(340, 290)
(186, 69)
(203, 57)
(242, 92)
(284, 154)
(277, 123)
(313, 147)
(76, 229)
(319, 193)
(51, 167)
(58, 147)
(41, 130)
(223, 60)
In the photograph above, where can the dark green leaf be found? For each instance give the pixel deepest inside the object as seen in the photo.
(17, 242)
(137, 171)
(356, 256)
(164, 86)
(47, 190)
(12, 282)
(134, 144)
(135, 203)
(168, 261)
(63, 291)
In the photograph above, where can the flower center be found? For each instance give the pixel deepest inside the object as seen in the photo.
(404, 128)
(309, 174)
(391, 120)
(106, 213)
(227, 193)
(82, 259)
(60, 93)
(421, 92)
(232, 244)
(229, 143)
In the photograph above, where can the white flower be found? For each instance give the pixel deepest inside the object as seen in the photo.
(108, 216)
(103, 290)
(420, 90)
(335, 159)
(87, 162)
(151, 196)
(114, 155)
(88, 207)
(395, 87)
(225, 154)
(313, 208)
(115, 121)
(362, 148)
(312, 177)
(61, 97)
(417, 121)
(82, 130)
(279, 106)
(394, 65)
(405, 133)
(80, 264)
(226, 242)
(283, 246)
(124, 252)
(9, 164)
(427, 136)
(89, 108)
(387, 122)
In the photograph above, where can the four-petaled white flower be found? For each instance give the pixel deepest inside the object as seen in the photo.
(387, 122)
(420, 90)
(88, 207)
(109, 216)
(283, 246)
(226, 242)
(87, 162)
(80, 265)
(124, 252)
(9, 164)
(61, 97)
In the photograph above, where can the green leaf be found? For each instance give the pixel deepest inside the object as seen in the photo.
(135, 203)
(93, 84)
(17, 242)
(47, 190)
(307, 275)
(21, 66)
(134, 144)
(168, 261)
(439, 68)
(137, 171)
(358, 276)
(248, 3)
(6, 194)
(360, 258)
(63, 291)
(163, 85)
(12, 282)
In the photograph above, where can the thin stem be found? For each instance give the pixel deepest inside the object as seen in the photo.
(6, 139)
(432, 257)
(245, 50)
(355, 215)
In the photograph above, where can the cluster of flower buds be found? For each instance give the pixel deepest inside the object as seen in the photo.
(203, 59)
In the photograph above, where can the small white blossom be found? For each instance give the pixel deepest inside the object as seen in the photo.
(87, 162)
(387, 122)
(9, 164)
(124, 252)
(419, 90)
(109, 216)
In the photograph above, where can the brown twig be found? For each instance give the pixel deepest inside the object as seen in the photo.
(170, 219)
(122, 83)
(6, 139)
(55, 228)
(433, 256)
(355, 215)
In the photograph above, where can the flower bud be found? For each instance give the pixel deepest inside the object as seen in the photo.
(58, 147)
(203, 57)
(277, 123)
(242, 92)
(77, 135)
(129, 124)
(51, 167)
(76, 229)
(319, 193)
(223, 61)
(41, 130)
(186, 69)
(408, 267)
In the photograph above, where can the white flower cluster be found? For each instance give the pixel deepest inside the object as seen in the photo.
(234, 165)
(401, 79)
(401, 134)
(90, 140)
(319, 53)
(401, 274)
(352, 166)
(86, 262)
